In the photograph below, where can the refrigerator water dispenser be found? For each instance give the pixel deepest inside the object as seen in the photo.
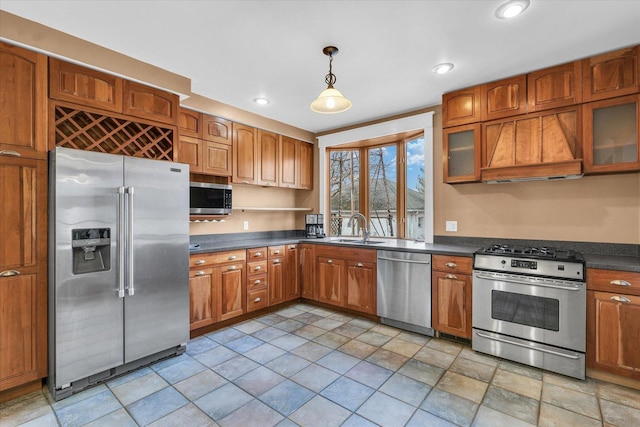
(91, 249)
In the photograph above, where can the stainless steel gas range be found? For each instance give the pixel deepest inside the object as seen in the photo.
(529, 306)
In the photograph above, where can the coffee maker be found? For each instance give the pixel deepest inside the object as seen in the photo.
(314, 226)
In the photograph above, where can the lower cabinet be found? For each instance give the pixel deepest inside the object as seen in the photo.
(306, 275)
(451, 295)
(346, 277)
(613, 322)
(275, 274)
(217, 287)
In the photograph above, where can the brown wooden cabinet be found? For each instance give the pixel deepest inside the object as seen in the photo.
(245, 154)
(346, 277)
(189, 151)
(611, 74)
(461, 107)
(613, 322)
(304, 166)
(150, 103)
(451, 294)
(289, 162)
(555, 87)
(23, 102)
(84, 86)
(190, 123)
(204, 156)
(23, 270)
(257, 280)
(461, 154)
(306, 270)
(290, 272)
(612, 135)
(504, 98)
(216, 129)
(275, 274)
(268, 160)
(217, 285)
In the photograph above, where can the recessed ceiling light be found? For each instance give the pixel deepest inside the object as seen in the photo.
(511, 9)
(445, 67)
(261, 101)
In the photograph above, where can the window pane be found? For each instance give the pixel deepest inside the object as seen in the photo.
(344, 169)
(382, 191)
(414, 193)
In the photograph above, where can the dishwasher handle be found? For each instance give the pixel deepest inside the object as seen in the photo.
(409, 261)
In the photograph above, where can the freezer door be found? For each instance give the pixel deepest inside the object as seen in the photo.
(85, 311)
(157, 295)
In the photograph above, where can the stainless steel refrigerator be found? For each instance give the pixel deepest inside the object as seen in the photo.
(118, 265)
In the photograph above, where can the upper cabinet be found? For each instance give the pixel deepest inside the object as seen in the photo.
(305, 165)
(461, 107)
(611, 74)
(555, 87)
(23, 102)
(190, 123)
(268, 164)
(211, 155)
(80, 85)
(504, 98)
(216, 129)
(150, 103)
(245, 154)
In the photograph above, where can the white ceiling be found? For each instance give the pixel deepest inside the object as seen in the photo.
(235, 51)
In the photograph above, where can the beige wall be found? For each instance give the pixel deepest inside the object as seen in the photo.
(602, 208)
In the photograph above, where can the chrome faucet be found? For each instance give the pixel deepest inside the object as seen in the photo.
(365, 230)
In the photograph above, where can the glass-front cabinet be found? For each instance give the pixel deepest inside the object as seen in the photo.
(611, 134)
(461, 154)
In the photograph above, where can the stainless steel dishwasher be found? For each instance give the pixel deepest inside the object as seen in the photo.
(404, 290)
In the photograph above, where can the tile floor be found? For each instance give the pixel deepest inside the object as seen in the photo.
(309, 366)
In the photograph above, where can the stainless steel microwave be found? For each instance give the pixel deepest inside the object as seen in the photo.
(209, 199)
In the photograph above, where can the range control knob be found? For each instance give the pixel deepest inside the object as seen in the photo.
(503, 262)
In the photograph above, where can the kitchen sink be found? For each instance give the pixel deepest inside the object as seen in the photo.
(360, 241)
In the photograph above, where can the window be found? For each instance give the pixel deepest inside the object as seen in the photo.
(392, 198)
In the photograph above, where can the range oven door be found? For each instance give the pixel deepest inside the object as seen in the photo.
(547, 311)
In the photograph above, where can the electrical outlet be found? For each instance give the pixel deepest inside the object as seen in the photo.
(245, 225)
(451, 226)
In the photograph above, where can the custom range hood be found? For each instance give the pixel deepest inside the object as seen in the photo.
(543, 147)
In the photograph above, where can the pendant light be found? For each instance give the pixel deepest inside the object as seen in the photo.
(330, 100)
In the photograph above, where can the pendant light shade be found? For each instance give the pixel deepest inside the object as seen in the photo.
(330, 100)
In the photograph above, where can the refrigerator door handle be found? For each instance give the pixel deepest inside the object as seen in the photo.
(121, 255)
(131, 287)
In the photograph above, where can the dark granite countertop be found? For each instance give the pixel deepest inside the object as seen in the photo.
(597, 255)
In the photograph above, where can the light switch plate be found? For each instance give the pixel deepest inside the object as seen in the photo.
(451, 226)
(245, 225)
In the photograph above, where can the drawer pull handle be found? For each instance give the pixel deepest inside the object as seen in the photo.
(245, 181)
(233, 267)
(329, 261)
(9, 153)
(200, 262)
(232, 257)
(620, 283)
(9, 273)
(276, 252)
(620, 299)
(359, 264)
(199, 273)
(276, 261)
(257, 268)
(257, 299)
(451, 276)
(257, 254)
(257, 282)
(451, 265)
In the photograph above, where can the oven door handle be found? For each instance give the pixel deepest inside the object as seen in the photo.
(543, 350)
(524, 282)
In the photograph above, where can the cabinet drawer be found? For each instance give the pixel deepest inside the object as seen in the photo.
(258, 281)
(195, 272)
(256, 253)
(358, 254)
(276, 251)
(256, 267)
(456, 264)
(256, 300)
(198, 260)
(619, 282)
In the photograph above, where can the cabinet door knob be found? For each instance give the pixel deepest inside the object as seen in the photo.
(276, 252)
(257, 299)
(199, 273)
(232, 257)
(276, 261)
(257, 268)
(233, 267)
(451, 276)
(257, 254)
(199, 262)
(620, 283)
(359, 264)
(451, 265)
(9, 273)
(620, 299)
(329, 261)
